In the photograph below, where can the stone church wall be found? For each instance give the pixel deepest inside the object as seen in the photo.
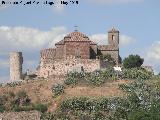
(64, 66)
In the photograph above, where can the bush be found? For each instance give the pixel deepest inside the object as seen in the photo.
(13, 84)
(22, 94)
(40, 107)
(22, 98)
(58, 89)
(136, 73)
(17, 108)
(71, 81)
(133, 61)
(95, 79)
(85, 104)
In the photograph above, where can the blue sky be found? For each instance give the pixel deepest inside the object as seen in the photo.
(32, 28)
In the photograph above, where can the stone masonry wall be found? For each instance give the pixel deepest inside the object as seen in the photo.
(16, 61)
(31, 115)
(64, 66)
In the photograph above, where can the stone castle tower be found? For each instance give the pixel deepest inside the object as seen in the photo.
(16, 61)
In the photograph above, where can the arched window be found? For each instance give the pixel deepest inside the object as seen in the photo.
(113, 37)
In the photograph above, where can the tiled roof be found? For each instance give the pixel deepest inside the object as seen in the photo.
(48, 53)
(107, 47)
(93, 43)
(75, 36)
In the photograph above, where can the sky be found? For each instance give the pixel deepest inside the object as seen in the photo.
(31, 28)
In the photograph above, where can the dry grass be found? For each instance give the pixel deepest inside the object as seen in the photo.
(40, 91)
(110, 89)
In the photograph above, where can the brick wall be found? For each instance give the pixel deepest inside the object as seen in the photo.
(78, 47)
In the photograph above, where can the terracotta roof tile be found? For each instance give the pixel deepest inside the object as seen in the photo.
(60, 42)
(48, 53)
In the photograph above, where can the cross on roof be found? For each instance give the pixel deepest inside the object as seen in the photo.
(76, 28)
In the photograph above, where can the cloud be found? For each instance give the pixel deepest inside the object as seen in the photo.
(153, 53)
(102, 39)
(107, 2)
(126, 40)
(152, 56)
(27, 38)
(99, 38)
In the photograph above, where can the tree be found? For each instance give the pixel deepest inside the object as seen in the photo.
(133, 61)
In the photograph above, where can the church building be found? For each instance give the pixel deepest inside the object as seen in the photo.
(76, 51)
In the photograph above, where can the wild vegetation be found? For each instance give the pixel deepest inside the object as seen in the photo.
(96, 78)
(140, 102)
(19, 102)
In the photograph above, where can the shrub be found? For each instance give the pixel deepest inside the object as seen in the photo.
(40, 107)
(58, 89)
(17, 108)
(47, 116)
(13, 84)
(22, 94)
(85, 104)
(2, 108)
(71, 81)
(96, 80)
(76, 75)
(74, 104)
(136, 73)
(22, 98)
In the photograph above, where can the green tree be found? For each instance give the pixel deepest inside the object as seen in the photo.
(133, 61)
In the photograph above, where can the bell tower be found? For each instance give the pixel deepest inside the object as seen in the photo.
(113, 37)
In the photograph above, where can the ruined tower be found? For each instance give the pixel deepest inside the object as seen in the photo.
(16, 61)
